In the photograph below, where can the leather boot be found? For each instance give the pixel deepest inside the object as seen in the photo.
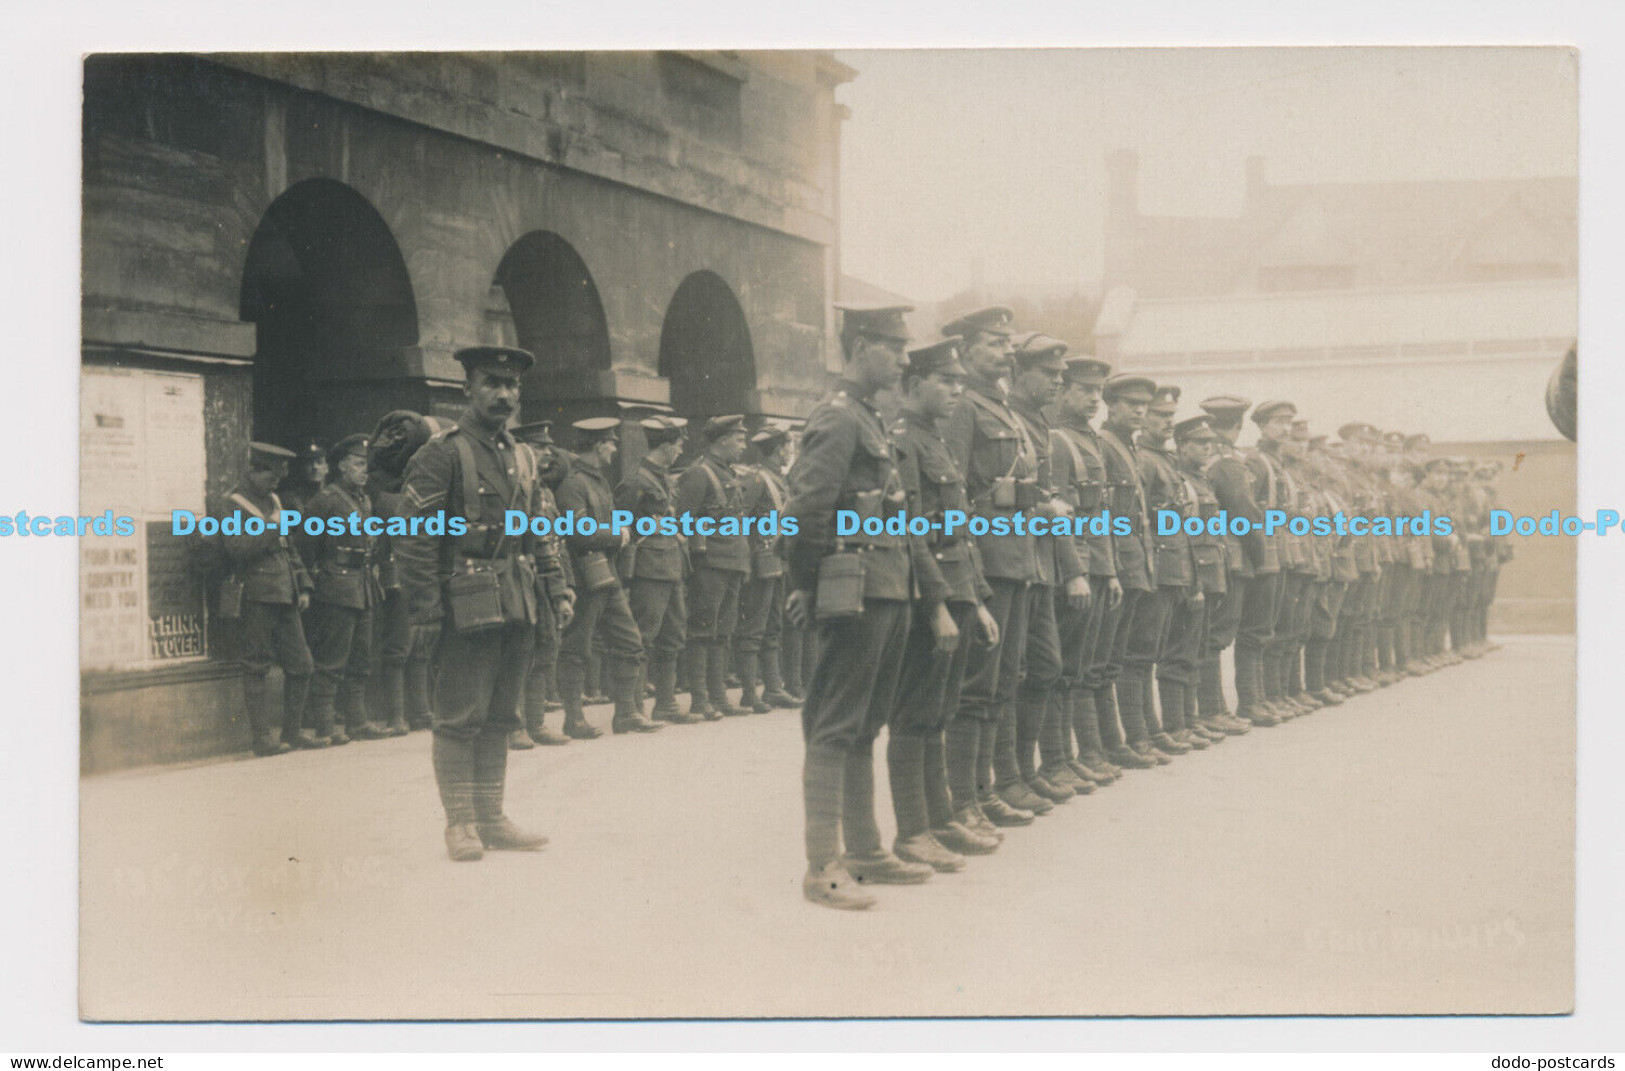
(1091, 762)
(773, 691)
(664, 676)
(866, 859)
(519, 740)
(496, 831)
(626, 681)
(1011, 787)
(961, 839)
(905, 763)
(1249, 687)
(260, 722)
(699, 700)
(576, 725)
(827, 883)
(716, 659)
(939, 804)
(454, 773)
(748, 697)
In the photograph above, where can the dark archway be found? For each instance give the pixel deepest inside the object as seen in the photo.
(328, 290)
(553, 308)
(705, 349)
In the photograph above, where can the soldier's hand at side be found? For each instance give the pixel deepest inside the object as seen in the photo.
(1077, 593)
(565, 610)
(799, 608)
(988, 625)
(944, 629)
(1196, 598)
(304, 600)
(1114, 593)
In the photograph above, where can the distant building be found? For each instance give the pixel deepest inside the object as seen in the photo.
(1418, 306)
(289, 246)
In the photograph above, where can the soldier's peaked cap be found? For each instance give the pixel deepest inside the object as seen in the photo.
(1166, 399)
(596, 429)
(717, 427)
(995, 319)
(508, 360)
(1226, 407)
(1357, 431)
(539, 432)
(1267, 410)
(1194, 429)
(661, 422)
(769, 437)
(267, 452)
(1039, 350)
(939, 356)
(351, 444)
(1130, 386)
(1086, 369)
(886, 321)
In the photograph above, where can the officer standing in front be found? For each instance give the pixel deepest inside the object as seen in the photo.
(478, 592)
(859, 591)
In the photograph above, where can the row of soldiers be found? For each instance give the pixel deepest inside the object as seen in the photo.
(712, 603)
(1016, 672)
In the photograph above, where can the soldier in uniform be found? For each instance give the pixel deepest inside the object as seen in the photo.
(1262, 605)
(403, 668)
(601, 604)
(652, 566)
(710, 488)
(1313, 569)
(1078, 470)
(347, 589)
(1346, 667)
(271, 587)
(761, 602)
(475, 470)
(1128, 398)
(1040, 371)
(1174, 583)
(846, 462)
(1499, 552)
(796, 646)
(948, 602)
(1000, 466)
(1179, 665)
(310, 470)
(1232, 484)
(555, 593)
(1331, 489)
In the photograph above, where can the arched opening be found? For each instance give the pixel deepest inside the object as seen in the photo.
(327, 288)
(544, 300)
(705, 349)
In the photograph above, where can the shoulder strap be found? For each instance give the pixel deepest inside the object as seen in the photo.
(716, 482)
(471, 486)
(1080, 467)
(250, 507)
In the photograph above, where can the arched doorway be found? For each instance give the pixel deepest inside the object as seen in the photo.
(543, 299)
(705, 349)
(327, 288)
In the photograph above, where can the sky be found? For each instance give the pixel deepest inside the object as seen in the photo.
(954, 155)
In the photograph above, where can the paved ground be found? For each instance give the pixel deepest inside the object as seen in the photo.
(1410, 851)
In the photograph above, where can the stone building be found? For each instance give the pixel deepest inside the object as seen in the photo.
(1417, 306)
(285, 247)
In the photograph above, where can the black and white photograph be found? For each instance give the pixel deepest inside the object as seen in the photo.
(1219, 676)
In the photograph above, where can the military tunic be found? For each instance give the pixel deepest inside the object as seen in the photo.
(846, 462)
(481, 673)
